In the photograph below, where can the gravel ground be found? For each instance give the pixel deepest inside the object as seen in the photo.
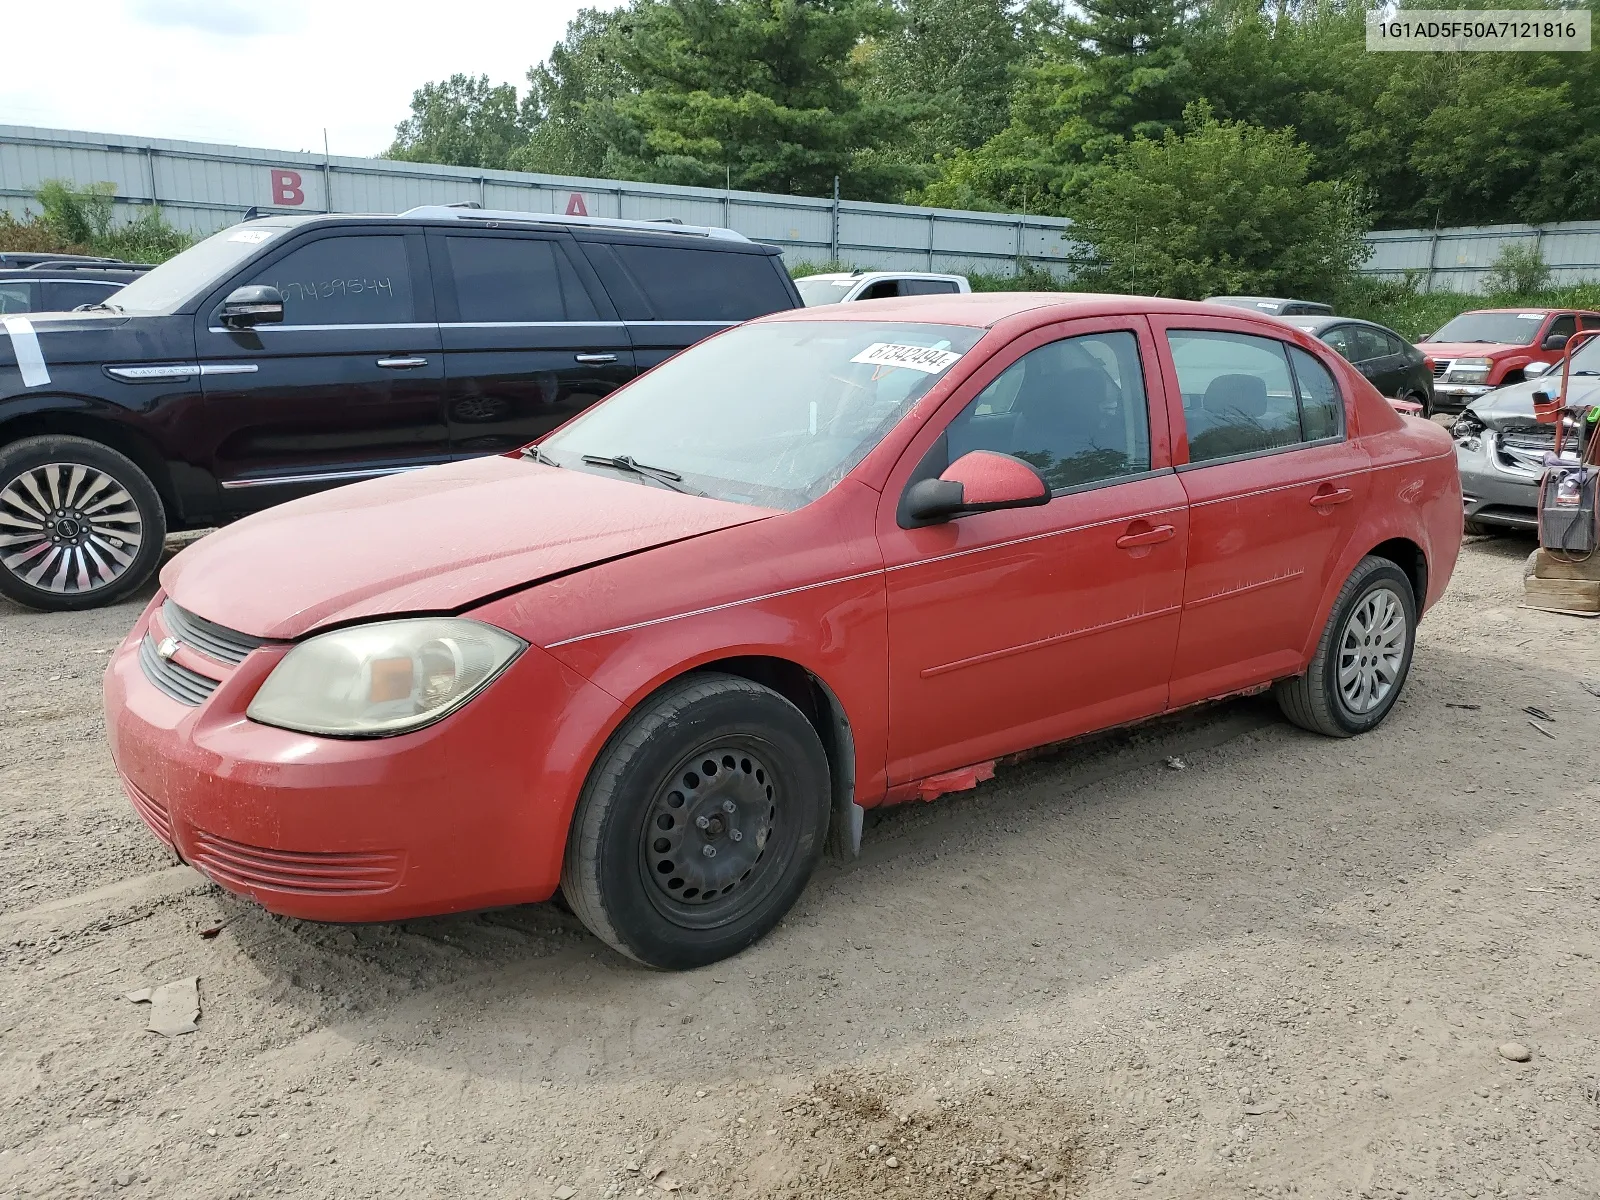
(1287, 969)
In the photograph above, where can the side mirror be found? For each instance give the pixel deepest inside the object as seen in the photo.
(1556, 341)
(978, 481)
(1535, 369)
(247, 307)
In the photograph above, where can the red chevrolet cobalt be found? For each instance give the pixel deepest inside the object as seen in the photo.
(827, 560)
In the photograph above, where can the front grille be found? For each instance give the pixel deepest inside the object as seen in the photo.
(214, 641)
(309, 872)
(1540, 439)
(183, 685)
(1440, 366)
(151, 810)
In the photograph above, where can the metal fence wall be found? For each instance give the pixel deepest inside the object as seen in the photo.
(1458, 260)
(202, 187)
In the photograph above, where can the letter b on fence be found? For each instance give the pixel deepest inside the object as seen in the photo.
(288, 189)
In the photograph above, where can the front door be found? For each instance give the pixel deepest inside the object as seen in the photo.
(349, 386)
(1275, 489)
(1015, 628)
(529, 336)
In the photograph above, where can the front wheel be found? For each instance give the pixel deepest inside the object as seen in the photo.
(700, 823)
(80, 525)
(1362, 658)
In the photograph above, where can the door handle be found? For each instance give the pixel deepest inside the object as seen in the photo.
(1147, 537)
(598, 360)
(404, 363)
(1327, 497)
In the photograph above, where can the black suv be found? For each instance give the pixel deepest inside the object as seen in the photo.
(290, 354)
(59, 284)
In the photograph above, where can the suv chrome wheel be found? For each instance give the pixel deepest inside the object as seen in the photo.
(1371, 650)
(68, 528)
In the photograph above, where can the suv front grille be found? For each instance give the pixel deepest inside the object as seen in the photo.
(212, 640)
(183, 685)
(1440, 366)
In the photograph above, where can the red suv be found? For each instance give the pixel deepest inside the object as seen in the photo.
(1490, 347)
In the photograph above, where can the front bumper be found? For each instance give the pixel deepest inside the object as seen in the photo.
(1453, 397)
(471, 812)
(1496, 489)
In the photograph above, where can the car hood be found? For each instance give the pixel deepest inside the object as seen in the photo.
(1438, 350)
(432, 541)
(1511, 407)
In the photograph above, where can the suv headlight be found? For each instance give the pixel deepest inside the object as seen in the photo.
(388, 677)
(1468, 370)
(1468, 431)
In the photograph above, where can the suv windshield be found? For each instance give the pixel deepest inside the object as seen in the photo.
(822, 291)
(175, 282)
(774, 414)
(1504, 328)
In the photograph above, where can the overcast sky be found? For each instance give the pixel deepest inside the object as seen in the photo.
(270, 73)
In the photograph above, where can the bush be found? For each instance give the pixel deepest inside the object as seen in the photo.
(82, 221)
(1517, 269)
(1226, 208)
(1411, 313)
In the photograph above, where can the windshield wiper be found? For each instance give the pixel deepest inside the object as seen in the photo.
(539, 456)
(624, 462)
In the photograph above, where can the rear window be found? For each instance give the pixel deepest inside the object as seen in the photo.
(685, 284)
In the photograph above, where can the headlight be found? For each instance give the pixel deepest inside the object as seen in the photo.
(1468, 370)
(1468, 431)
(389, 677)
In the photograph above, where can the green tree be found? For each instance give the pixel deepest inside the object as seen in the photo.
(1117, 70)
(462, 122)
(1223, 207)
(570, 107)
(764, 94)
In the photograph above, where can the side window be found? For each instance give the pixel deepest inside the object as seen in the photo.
(344, 281)
(516, 279)
(1368, 343)
(683, 284)
(1074, 408)
(1395, 343)
(64, 297)
(1237, 394)
(1589, 322)
(16, 297)
(883, 289)
(1339, 339)
(1563, 326)
(1321, 408)
(928, 287)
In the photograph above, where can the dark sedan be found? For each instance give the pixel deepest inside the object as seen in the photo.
(1395, 367)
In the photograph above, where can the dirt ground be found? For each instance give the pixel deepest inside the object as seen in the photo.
(1286, 969)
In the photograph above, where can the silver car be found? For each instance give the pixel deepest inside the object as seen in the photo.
(1500, 448)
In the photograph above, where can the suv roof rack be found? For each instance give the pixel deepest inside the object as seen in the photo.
(450, 212)
(78, 264)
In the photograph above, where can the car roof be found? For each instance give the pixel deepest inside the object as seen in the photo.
(983, 310)
(1317, 322)
(853, 276)
(1532, 308)
(476, 218)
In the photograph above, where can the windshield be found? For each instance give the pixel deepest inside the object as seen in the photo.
(822, 291)
(1585, 362)
(1504, 328)
(175, 282)
(774, 414)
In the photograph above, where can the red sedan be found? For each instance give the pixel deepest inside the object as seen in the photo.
(828, 560)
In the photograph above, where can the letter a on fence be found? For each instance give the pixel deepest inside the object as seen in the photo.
(576, 206)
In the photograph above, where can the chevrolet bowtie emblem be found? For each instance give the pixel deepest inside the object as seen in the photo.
(168, 647)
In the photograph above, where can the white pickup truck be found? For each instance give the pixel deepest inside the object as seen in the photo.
(844, 286)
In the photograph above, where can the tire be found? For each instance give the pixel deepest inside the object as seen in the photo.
(635, 870)
(81, 526)
(1377, 596)
(1478, 529)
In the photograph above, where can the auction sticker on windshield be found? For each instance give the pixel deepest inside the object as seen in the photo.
(917, 358)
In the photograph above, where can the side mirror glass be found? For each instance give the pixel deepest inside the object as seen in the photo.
(1555, 341)
(247, 307)
(1535, 369)
(979, 481)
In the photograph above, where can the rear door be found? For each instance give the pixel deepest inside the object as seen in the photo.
(349, 386)
(671, 296)
(1275, 489)
(529, 336)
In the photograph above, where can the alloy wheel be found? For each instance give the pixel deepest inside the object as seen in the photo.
(68, 528)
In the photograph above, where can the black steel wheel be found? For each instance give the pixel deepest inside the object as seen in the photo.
(80, 524)
(700, 823)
